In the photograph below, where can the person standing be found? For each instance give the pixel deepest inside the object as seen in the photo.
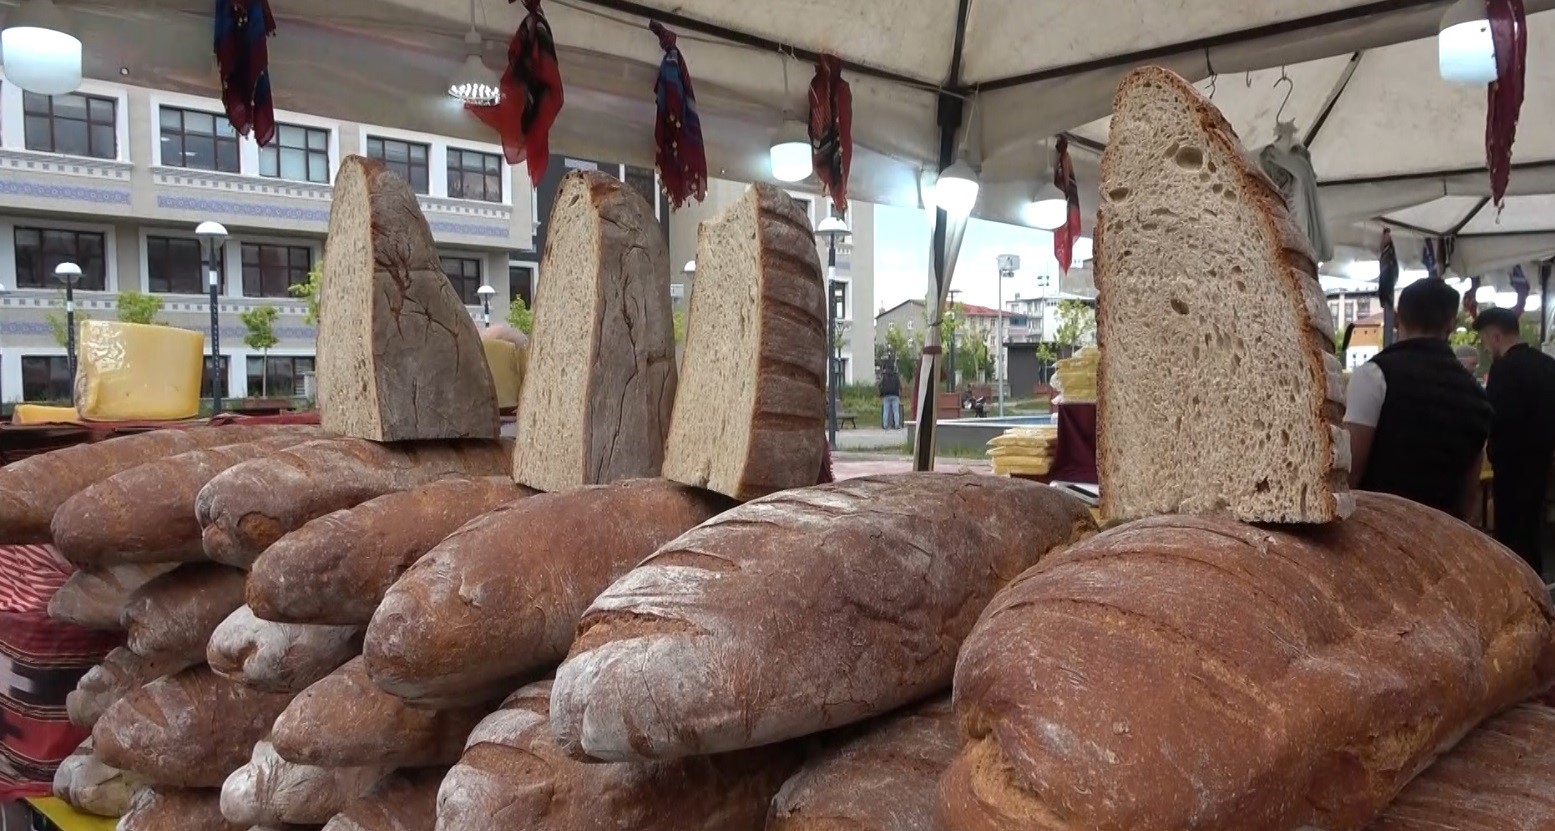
(1417, 420)
(1521, 386)
(890, 398)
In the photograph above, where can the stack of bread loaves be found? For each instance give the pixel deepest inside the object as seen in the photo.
(1075, 377)
(1023, 451)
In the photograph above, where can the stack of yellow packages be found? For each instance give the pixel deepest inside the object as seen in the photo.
(1024, 451)
(1076, 377)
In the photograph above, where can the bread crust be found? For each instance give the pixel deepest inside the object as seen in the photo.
(162, 808)
(172, 617)
(1297, 281)
(1329, 664)
(728, 637)
(405, 800)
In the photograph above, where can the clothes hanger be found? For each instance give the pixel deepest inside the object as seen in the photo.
(1284, 131)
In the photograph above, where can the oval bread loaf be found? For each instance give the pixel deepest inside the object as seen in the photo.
(884, 778)
(346, 721)
(1197, 673)
(246, 508)
(500, 599)
(798, 612)
(335, 569)
(120, 673)
(189, 730)
(176, 809)
(173, 616)
(95, 599)
(514, 775)
(405, 800)
(279, 657)
(86, 784)
(32, 489)
(272, 791)
(146, 513)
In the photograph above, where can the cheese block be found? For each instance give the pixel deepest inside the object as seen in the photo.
(41, 414)
(136, 372)
(502, 357)
(399, 355)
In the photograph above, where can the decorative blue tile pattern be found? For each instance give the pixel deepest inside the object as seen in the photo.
(102, 196)
(467, 229)
(190, 203)
(13, 327)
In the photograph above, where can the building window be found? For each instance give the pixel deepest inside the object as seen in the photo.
(465, 274)
(45, 378)
(77, 125)
(298, 153)
(205, 375)
(198, 140)
(406, 158)
(521, 284)
(644, 181)
(270, 270)
(285, 378)
(473, 175)
(39, 250)
(175, 265)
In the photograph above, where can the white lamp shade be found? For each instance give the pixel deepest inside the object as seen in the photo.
(485, 291)
(211, 230)
(791, 157)
(1485, 294)
(1084, 250)
(41, 61)
(473, 84)
(1047, 214)
(1465, 51)
(689, 268)
(833, 228)
(956, 190)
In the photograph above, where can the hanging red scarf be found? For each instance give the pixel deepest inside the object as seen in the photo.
(1509, 32)
(677, 132)
(831, 129)
(1066, 235)
(531, 94)
(243, 59)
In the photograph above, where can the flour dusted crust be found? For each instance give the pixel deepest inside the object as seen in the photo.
(91, 787)
(728, 637)
(1328, 664)
(279, 657)
(162, 808)
(120, 673)
(405, 800)
(172, 617)
(272, 791)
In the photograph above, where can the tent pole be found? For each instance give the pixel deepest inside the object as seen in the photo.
(950, 110)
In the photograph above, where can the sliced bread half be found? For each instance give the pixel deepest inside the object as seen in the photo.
(399, 355)
(752, 407)
(600, 382)
(1219, 390)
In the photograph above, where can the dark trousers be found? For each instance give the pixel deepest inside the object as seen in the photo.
(1519, 491)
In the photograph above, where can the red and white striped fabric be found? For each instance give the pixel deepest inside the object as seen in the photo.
(29, 576)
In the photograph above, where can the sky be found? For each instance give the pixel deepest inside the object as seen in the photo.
(902, 259)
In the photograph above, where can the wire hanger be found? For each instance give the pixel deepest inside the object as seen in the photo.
(1285, 131)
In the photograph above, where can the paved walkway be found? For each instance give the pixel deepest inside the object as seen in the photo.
(873, 438)
(847, 465)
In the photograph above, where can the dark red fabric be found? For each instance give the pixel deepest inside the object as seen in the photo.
(831, 129)
(243, 57)
(1509, 32)
(1074, 456)
(1065, 237)
(677, 128)
(532, 95)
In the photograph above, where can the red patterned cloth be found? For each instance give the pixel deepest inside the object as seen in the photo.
(29, 576)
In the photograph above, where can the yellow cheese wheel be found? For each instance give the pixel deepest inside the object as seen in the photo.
(135, 372)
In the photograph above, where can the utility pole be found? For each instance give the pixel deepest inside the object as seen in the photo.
(1008, 265)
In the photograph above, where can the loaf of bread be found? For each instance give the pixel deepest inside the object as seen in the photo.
(884, 778)
(95, 599)
(246, 508)
(188, 730)
(1500, 778)
(32, 489)
(399, 355)
(162, 808)
(279, 657)
(1197, 673)
(405, 800)
(751, 413)
(346, 721)
(1219, 390)
(335, 569)
(120, 673)
(272, 791)
(501, 598)
(732, 635)
(172, 617)
(513, 775)
(601, 376)
(146, 513)
(86, 784)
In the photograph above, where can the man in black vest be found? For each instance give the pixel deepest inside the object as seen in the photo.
(1417, 419)
(1522, 438)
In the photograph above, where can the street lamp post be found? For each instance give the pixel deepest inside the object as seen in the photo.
(1008, 265)
(951, 315)
(213, 236)
(485, 292)
(70, 274)
(832, 229)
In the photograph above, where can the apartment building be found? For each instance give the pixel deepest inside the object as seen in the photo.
(115, 178)
(855, 265)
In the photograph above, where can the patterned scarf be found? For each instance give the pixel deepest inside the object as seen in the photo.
(677, 132)
(244, 61)
(531, 95)
(831, 129)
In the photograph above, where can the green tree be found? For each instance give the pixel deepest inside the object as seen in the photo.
(135, 307)
(679, 321)
(57, 323)
(523, 319)
(1076, 326)
(309, 292)
(906, 350)
(260, 323)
